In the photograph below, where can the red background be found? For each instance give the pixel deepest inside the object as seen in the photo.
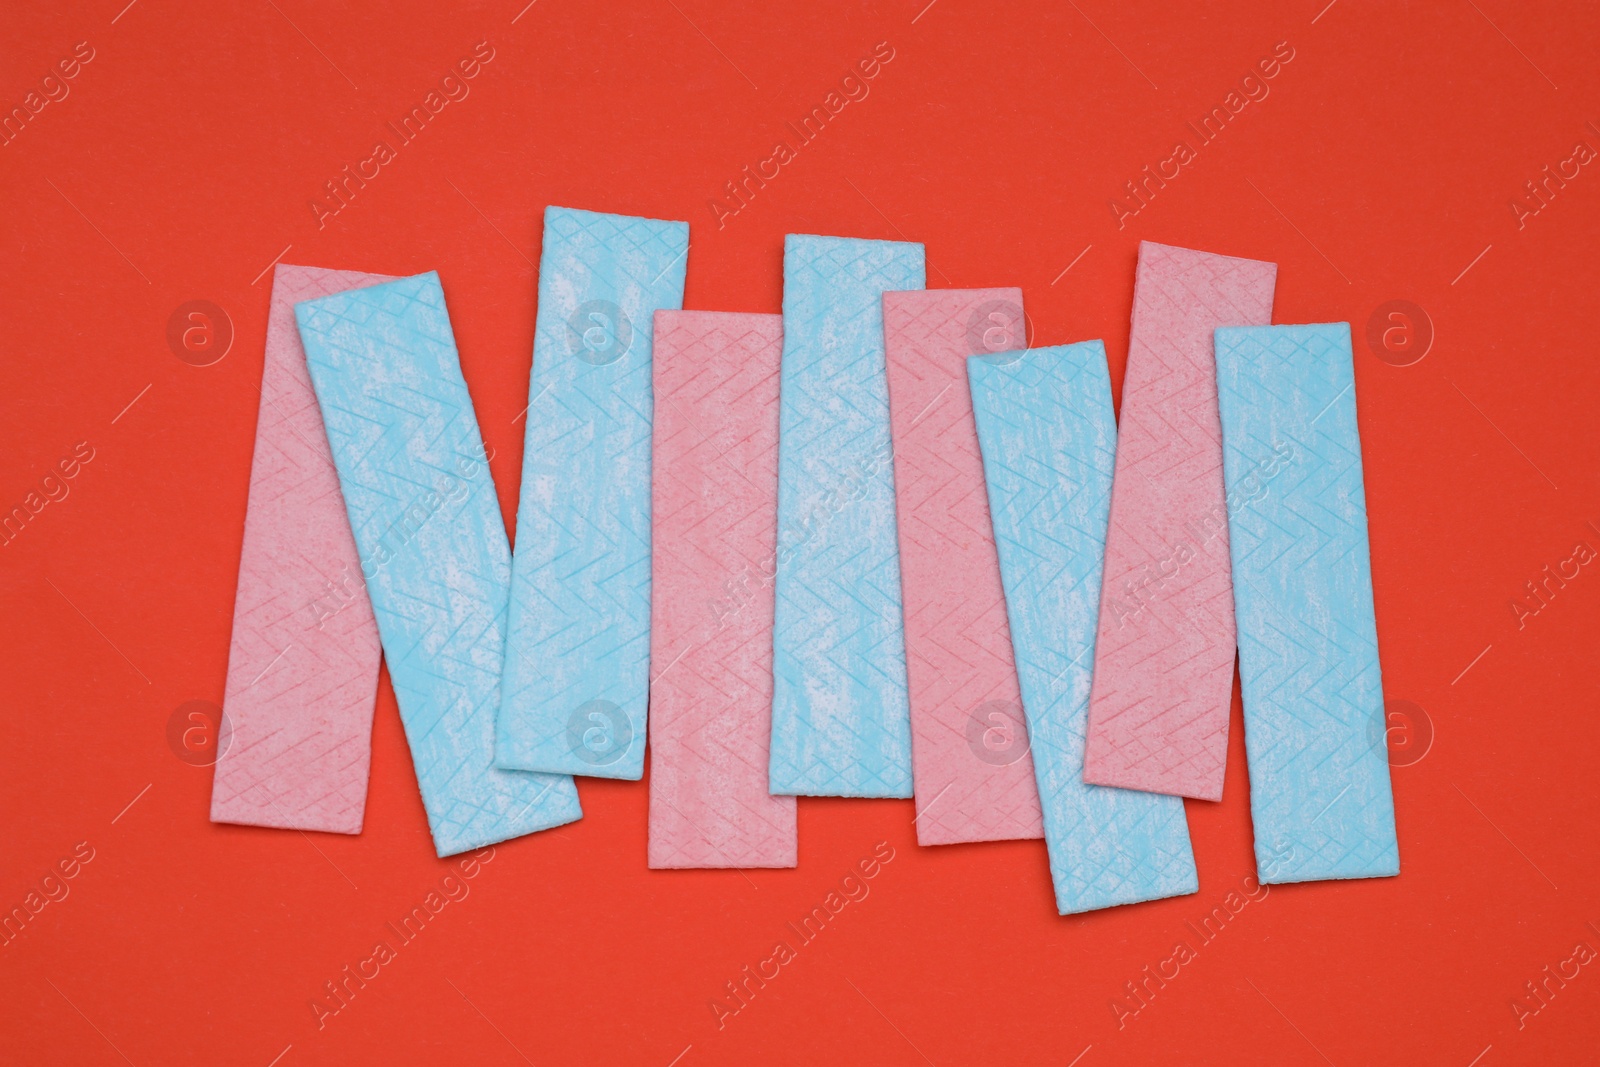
(1382, 163)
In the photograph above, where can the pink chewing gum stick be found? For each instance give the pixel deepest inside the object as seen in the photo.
(303, 664)
(971, 764)
(1163, 667)
(713, 553)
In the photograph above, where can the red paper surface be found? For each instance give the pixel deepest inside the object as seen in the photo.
(1380, 166)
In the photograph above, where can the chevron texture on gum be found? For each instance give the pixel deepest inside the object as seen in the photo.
(1314, 732)
(1163, 671)
(714, 516)
(1049, 444)
(577, 674)
(433, 546)
(303, 662)
(969, 740)
(840, 717)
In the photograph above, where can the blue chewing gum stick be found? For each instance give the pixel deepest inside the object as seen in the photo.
(841, 720)
(1049, 440)
(1302, 590)
(433, 548)
(577, 675)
